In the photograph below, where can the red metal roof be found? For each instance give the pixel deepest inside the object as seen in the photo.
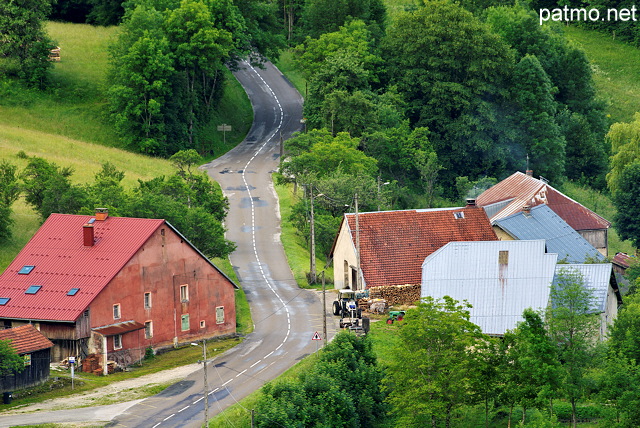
(526, 190)
(623, 260)
(25, 339)
(63, 262)
(393, 244)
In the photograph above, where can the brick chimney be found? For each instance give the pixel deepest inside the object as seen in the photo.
(527, 210)
(102, 214)
(529, 172)
(87, 234)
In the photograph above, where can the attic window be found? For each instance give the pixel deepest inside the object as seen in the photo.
(26, 270)
(33, 289)
(73, 292)
(4, 300)
(458, 214)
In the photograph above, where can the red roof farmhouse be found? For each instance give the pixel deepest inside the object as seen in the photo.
(113, 287)
(393, 244)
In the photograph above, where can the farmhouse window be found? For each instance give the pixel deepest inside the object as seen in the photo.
(148, 330)
(147, 300)
(202, 324)
(503, 258)
(117, 341)
(116, 311)
(220, 315)
(185, 322)
(184, 293)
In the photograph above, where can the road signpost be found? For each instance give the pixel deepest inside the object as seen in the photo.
(224, 128)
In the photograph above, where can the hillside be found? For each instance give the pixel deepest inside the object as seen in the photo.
(66, 124)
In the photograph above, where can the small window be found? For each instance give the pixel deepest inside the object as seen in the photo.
(73, 292)
(33, 289)
(147, 300)
(86, 313)
(458, 214)
(4, 300)
(26, 270)
(148, 330)
(184, 293)
(27, 360)
(220, 315)
(185, 322)
(202, 324)
(116, 311)
(117, 341)
(503, 257)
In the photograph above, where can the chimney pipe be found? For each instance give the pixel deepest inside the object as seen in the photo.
(87, 233)
(527, 210)
(471, 202)
(530, 172)
(102, 214)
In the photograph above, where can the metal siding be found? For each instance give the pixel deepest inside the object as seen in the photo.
(543, 223)
(596, 278)
(470, 271)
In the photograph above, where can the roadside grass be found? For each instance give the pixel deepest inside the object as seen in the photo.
(85, 382)
(286, 66)
(615, 65)
(295, 247)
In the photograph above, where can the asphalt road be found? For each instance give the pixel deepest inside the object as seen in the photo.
(285, 317)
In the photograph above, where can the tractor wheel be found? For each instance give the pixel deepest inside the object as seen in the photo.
(337, 308)
(400, 317)
(389, 321)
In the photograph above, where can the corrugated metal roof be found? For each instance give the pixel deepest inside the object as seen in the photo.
(63, 262)
(524, 190)
(25, 339)
(500, 279)
(596, 277)
(624, 260)
(544, 223)
(119, 328)
(393, 244)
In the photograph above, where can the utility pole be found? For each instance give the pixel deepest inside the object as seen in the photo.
(312, 268)
(206, 385)
(324, 312)
(358, 283)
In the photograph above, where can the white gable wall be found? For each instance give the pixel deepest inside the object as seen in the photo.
(344, 250)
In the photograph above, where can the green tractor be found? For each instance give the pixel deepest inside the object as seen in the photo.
(395, 316)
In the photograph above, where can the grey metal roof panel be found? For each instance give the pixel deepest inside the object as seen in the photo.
(543, 223)
(596, 277)
(499, 292)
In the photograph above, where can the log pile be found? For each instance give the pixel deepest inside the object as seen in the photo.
(396, 294)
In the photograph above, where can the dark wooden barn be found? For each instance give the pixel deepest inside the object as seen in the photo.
(35, 349)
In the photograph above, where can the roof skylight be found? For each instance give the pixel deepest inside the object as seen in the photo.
(26, 270)
(4, 300)
(73, 292)
(33, 289)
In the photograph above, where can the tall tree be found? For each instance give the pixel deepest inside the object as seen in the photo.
(436, 363)
(573, 326)
(10, 361)
(23, 39)
(624, 139)
(452, 77)
(538, 132)
(625, 198)
(326, 16)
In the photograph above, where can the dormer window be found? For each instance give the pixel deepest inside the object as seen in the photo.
(33, 289)
(26, 270)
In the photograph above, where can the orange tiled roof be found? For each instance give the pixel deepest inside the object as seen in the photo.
(25, 339)
(393, 244)
(520, 189)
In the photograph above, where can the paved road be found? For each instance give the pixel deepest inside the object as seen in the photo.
(285, 317)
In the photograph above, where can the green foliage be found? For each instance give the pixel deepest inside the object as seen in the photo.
(10, 361)
(23, 40)
(625, 198)
(624, 139)
(326, 16)
(573, 327)
(9, 193)
(461, 109)
(432, 373)
(342, 389)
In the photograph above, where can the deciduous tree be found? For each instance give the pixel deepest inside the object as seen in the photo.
(10, 361)
(625, 198)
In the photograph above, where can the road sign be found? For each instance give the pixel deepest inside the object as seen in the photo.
(224, 127)
(72, 360)
(316, 336)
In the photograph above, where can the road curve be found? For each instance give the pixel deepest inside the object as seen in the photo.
(285, 317)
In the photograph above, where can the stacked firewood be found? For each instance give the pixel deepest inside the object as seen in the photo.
(396, 294)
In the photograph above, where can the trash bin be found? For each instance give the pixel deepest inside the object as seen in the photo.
(6, 398)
